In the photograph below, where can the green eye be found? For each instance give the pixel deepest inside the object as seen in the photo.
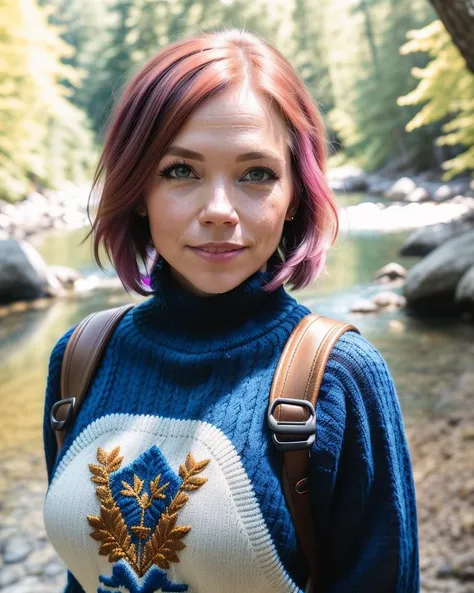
(260, 175)
(177, 171)
(182, 171)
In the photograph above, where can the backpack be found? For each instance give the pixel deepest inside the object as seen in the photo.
(291, 415)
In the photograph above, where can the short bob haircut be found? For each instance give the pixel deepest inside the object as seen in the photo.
(154, 106)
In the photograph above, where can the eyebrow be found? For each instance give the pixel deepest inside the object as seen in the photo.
(247, 156)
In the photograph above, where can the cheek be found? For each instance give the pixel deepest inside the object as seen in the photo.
(271, 215)
(165, 214)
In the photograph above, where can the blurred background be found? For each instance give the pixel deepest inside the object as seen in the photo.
(394, 81)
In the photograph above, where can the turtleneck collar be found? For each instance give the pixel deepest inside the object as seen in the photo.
(181, 319)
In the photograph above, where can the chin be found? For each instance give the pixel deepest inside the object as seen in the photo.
(214, 283)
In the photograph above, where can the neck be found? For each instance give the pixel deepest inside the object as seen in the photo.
(181, 319)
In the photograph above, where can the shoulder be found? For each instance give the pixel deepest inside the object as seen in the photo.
(357, 389)
(356, 360)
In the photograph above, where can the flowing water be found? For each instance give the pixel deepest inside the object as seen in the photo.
(426, 357)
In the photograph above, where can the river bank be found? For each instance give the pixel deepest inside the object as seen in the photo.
(441, 451)
(429, 361)
(406, 201)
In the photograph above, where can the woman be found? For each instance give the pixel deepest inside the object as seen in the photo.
(215, 159)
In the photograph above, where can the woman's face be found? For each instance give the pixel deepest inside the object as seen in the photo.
(226, 178)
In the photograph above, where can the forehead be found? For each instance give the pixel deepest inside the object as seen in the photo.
(236, 118)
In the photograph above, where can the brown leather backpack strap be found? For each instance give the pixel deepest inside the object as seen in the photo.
(297, 380)
(83, 353)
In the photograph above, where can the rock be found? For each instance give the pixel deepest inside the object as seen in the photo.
(401, 189)
(425, 240)
(39, 560)
(16, 550)
(11, 574)
(32, 585)
(377, 185)
(465, 290)
(388, 299)
(467, 523)
(431, 283)
(391, 271)
(444, 192)
(23, 273)
(347, 179)
(66, 276)
(364, 306)
(53, 569)
(418, 195)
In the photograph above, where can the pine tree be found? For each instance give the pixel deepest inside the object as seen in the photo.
(446, 88)
(41, 131)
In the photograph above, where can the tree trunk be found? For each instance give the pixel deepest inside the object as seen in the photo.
(458, 18)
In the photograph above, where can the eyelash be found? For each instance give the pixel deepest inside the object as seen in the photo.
(167, 170)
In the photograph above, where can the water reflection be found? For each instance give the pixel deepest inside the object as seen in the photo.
(426, 358)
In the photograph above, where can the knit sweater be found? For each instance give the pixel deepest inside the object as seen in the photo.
(168, 479)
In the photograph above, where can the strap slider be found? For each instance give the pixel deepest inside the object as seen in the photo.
(67, 416)
(306, 428)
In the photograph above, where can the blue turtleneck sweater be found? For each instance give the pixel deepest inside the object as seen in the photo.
(180, 398)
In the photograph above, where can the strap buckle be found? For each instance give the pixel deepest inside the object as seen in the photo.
(66, 422)
(306, 428)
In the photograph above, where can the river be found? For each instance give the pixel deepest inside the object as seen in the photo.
(425, 357)
(431, 362)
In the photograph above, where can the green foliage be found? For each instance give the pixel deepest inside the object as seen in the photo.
(115, 37)
(64, 63)
(366, 116)
(43, 137)
(446, 88)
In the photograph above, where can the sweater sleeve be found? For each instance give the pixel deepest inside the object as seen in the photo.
(361, 481)
(53, 394)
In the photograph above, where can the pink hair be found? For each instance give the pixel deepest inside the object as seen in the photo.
(150, 113)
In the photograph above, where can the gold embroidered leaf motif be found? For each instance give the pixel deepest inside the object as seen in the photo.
(140, 531)
(100, 476)
(161, 548)
(111, 461)
(191, 467)
(110, 528)
(137, 484)
(193, 483)
(127, 490)
(178, 502)
(157, 493)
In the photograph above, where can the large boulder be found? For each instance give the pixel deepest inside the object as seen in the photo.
(23, 273)
(401, 189)
(431, 284)
(390, 272)
(423, 241)
(347, 179)
(465, 290)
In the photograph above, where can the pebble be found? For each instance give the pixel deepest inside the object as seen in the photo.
(16, 550)
(445, 489)
(11, 574)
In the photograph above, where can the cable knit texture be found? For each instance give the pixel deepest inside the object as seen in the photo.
(211, 359)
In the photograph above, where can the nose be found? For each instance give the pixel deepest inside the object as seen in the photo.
(218, 209)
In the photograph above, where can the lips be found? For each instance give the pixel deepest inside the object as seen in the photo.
(219, 249)
(218, 253)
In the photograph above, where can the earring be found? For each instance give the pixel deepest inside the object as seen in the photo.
(141, 212)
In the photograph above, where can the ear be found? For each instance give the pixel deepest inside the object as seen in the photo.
(293, 207)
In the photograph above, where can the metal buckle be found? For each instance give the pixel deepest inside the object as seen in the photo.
(62, 424)
(306, 428)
